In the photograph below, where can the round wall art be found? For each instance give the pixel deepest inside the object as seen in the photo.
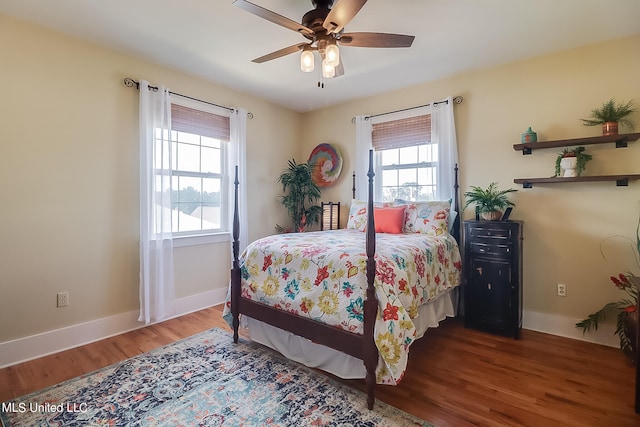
(327, 164)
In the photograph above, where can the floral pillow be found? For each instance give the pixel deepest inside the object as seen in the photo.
(427, 217)
(358, 214)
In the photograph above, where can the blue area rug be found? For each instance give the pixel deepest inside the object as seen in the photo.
(204, 380)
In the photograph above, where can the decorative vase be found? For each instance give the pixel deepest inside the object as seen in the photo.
(610, 128)
(569, 165)
(491, 216)
(529, 136)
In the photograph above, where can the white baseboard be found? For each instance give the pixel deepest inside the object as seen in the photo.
(43, 344)
(565, 327)
(34, 346)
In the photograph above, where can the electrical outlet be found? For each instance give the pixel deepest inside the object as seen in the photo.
(63, 299)
(562, 290)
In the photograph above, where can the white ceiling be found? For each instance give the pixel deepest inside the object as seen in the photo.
(216, 40)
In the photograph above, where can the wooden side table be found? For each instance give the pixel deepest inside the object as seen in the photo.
(493, 276)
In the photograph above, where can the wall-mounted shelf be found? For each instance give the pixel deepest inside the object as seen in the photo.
(620, 141)
(620, 180)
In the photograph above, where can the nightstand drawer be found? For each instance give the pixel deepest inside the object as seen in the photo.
(490, 233)
(498, 250)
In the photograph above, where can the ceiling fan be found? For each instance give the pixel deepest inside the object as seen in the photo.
(324, 26)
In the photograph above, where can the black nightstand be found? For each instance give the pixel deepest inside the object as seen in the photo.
(493, 276)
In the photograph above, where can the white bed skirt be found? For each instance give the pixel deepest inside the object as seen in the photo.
(337, 363)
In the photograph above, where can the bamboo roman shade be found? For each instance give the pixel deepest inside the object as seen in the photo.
(402, 132)
(185, 119)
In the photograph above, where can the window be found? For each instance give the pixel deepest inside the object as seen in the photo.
(409, 173)
(406, 159)
(199, 143)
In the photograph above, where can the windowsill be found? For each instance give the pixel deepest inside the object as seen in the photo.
(204, 239)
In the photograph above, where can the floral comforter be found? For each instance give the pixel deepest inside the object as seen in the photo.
(322, 276)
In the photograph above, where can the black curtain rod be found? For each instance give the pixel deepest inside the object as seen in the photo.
(129, 82)
(456, 100)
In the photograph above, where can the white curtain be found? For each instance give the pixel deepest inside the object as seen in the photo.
(443, 133)
(363, 145)
(237, 157)
(157, 289)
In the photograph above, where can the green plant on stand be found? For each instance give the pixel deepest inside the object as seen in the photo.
(302, 193)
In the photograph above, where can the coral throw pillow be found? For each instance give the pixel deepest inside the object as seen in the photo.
(389, 220)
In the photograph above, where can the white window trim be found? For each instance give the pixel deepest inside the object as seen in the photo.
(413, 112)
(201, 239)
(223, 234)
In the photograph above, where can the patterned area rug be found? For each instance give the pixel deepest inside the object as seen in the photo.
(205, 380)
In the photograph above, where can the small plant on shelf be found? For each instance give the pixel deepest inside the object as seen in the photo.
(574, 166)
(610, 115)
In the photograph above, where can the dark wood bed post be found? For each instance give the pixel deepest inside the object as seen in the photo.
(353, 186)
(370, 351)
(457, 224)
(235, 269)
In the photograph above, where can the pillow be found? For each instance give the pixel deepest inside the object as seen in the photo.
(427, 217)
(389, 219)
(358, 214)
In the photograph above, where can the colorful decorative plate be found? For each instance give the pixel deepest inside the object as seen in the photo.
(327, 163)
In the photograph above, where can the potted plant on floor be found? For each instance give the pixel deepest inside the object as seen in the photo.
(572, 161)
(610, 115)
(489, 202)
(625, 309)
(301, 194)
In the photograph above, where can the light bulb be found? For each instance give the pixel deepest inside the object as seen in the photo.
(332, 54)
(328, 70)
(306, 61)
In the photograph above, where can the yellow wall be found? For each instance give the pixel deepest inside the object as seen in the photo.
(564, 224)
(69, 179)
(69, 173)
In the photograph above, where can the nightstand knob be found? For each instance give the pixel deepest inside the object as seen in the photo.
(489, 286)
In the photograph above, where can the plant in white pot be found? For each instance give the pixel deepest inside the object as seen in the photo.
(490, 202)
(572, 161)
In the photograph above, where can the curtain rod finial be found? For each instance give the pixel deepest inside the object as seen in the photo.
(129, 82)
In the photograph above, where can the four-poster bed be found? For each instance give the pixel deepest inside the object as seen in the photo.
(337, 292)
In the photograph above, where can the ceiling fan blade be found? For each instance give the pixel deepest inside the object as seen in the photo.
(280, 53)
(376, 40)
(272, 16)
(341, 13)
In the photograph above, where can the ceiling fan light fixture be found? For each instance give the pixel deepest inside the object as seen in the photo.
(332, 54)
(307, 60)
(328, 70)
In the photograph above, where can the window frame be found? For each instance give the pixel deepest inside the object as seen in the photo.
(205, 236)
(379, 167)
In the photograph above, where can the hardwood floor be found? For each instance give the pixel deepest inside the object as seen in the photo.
(456, 376)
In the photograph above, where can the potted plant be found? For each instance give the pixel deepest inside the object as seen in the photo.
(624, 309)
(572, 160)
(302, 193)
(490, 202)
(610, 115)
